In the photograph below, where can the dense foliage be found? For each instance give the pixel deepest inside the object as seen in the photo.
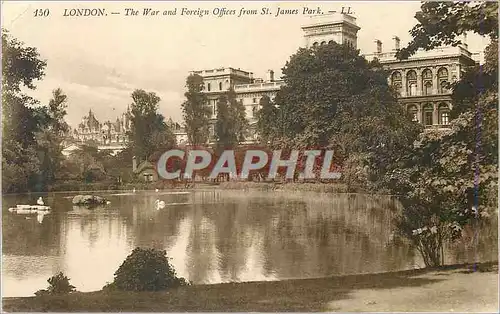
(31, 134)
(149, 132)
(146, 270)
(334, 98)
(449, 179)
(442, 22)
(58, 284)
(231, 125)
(195, 111)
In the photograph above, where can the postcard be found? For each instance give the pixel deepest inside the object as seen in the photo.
(264, 156)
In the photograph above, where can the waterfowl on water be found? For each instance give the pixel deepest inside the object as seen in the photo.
(40, 201)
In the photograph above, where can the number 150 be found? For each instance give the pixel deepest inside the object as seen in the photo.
(41, 12)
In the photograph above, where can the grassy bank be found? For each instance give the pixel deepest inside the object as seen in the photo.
(452, 288)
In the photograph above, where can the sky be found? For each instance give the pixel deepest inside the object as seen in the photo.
(99, 61)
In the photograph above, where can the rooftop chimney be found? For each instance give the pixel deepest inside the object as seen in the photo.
(397, 42)
(379, 46)
(270, 76)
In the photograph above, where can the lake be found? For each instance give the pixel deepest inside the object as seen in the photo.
(211, 237)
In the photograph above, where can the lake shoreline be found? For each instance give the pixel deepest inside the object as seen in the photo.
(335, 188)
(464, 287)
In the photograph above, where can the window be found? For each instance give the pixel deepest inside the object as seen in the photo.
(315, 44)
(443, 80)
(220, 86)
(413, 111)
(444, 114)
(427, 88)
(427, 82)
(330, 42)
(427, 114)
(411, 81)
(208, 87)
(396, 82)
(323, 43)
(254, 101)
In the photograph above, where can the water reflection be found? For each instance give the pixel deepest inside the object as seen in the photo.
(212, 236)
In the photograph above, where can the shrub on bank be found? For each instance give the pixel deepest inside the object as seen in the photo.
(145, 269)
(58, 284)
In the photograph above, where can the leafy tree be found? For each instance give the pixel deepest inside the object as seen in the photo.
(334, 98)
(224, 126)
(50, 137)
(21, 119)
(239, 112)
(266, 117)
(449, 179)
(231, 125)
(441, 23)
(149, 132)
(196, 111)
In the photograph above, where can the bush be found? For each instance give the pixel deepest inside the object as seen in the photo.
(59, 284)
(145, 270)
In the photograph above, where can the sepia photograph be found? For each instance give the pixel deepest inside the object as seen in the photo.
(249, 156)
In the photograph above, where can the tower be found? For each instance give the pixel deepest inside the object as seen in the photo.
(338, 27)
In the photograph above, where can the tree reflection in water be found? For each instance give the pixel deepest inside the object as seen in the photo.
(215, 236)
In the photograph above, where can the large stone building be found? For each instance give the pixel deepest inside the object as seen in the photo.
(248, 89)
(107, 133)
(110, 136)
(422, 80)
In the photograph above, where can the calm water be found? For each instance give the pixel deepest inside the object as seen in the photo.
(211, 237)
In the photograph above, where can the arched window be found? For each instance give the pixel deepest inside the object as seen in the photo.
(209, 87)
(427, 114)
(413, 111)
(330, 42)
(411, 83)
(427, 82)
(427, 88)
(443, 80)
(444, 114)
(397, 82)
(315, 44)
(220, 85)
(323, 43)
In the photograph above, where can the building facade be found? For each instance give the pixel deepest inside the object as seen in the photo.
(249, 91)
(422, 81)
(107, 133)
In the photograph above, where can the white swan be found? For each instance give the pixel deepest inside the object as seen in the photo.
(40, 201)
(159, 204)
